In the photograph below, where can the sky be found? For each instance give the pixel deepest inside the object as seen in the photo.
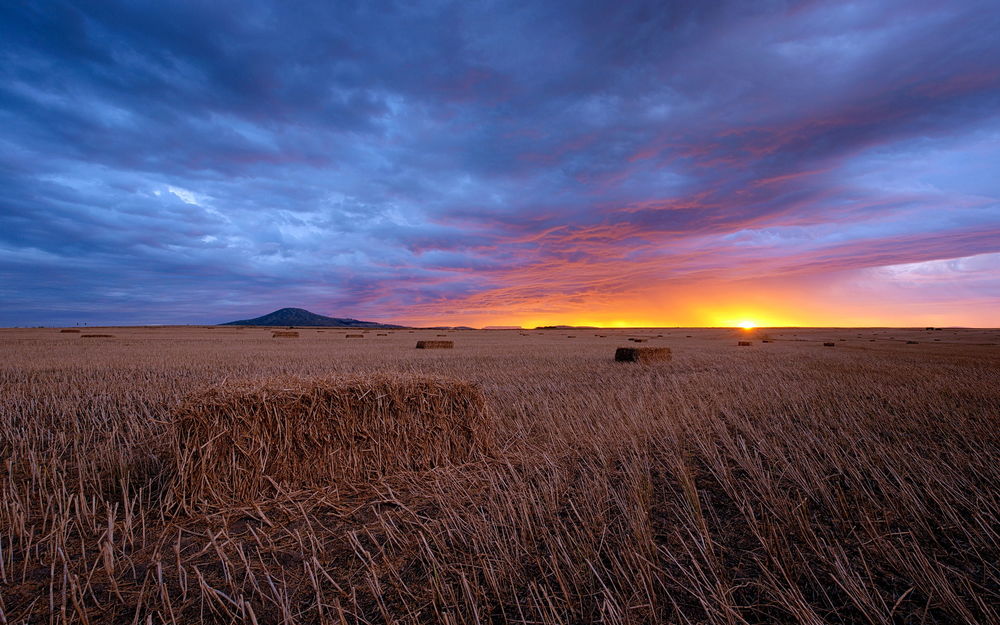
(501, 163)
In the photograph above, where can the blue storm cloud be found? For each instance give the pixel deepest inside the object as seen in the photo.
(198, 162)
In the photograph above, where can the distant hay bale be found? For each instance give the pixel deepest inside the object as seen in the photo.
(829, 344)
(97, 336)
(765, 340)
(435, 344)
(67, 330)
(354, 336)
(743, 344)
(642, 354)
(440, 335)
(238, 442)
(283, 334)
(571, 336)
(381, 335)
(911, 342)
(638, 340)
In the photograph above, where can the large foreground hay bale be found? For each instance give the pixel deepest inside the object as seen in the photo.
(435, 344)
(642, 354)
(238, 442)
(282, 334)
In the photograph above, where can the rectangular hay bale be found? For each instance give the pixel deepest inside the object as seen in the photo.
(69, 330)
(743, 344)
(354, 336)
(240, 441)
(283, 334)
(435, 344)
(642, 354)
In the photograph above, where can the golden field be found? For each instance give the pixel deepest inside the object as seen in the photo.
(781, 482)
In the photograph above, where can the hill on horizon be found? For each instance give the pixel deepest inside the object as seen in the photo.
(302, 317)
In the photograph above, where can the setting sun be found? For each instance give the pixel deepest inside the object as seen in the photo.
(747, 325)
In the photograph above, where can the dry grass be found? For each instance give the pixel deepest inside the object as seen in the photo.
(787, 485)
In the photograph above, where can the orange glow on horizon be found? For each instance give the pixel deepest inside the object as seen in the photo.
(751, 305)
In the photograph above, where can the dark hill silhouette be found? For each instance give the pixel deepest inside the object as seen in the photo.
(302, 317)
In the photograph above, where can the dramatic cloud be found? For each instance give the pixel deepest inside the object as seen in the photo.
(495, 163)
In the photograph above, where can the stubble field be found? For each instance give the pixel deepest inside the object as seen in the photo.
(783, 482)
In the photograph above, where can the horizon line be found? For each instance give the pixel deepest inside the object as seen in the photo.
(509, 328)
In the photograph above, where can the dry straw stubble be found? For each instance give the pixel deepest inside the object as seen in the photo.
(713, 490)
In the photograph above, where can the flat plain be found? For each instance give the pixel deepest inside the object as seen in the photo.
(781, 482)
